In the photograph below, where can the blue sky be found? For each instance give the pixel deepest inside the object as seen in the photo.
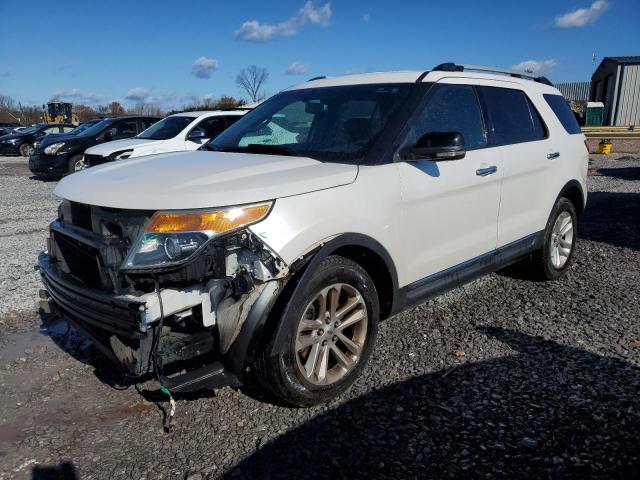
(171, 53)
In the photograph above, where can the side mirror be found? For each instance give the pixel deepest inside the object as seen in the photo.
(437, 146)
(196, 135)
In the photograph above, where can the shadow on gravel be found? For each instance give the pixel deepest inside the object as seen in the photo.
(64, 471)
(548, 411)
(613, 218)
(624, 173)
(75, 344)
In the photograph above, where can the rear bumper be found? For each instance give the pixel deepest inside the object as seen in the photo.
(45, 165)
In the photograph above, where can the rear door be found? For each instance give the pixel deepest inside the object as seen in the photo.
(520, 139)
(449, 207)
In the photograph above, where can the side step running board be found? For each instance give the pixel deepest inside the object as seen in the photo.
(208, 377)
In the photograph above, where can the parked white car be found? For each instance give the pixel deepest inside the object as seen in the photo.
(276, 259)
(175, 133)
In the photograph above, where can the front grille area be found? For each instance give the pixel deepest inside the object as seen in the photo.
(91, 242)
(83, 261)
(81, 215)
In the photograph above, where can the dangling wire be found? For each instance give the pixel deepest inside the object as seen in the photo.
(169, 419)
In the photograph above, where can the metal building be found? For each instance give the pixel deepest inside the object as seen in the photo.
(578, 91)
(616, 83)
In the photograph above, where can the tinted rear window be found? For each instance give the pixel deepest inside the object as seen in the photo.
(513, 118)
(561, 108)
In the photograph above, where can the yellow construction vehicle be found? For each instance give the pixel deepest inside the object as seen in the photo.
(58, 112)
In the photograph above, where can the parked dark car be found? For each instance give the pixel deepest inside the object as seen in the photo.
(7, 127)
(21, 143)
(62, 154)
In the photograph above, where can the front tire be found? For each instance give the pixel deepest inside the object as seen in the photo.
(326, 335)
(76, 164)
(26, 149)
(556, 255)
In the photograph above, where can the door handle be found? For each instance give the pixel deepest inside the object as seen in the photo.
(552, 155)
(483, 172)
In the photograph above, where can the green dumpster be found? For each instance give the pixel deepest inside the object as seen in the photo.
(594, 114)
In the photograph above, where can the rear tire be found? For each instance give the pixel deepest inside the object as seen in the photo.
(552, 261)
(324, 336)
(26, 149)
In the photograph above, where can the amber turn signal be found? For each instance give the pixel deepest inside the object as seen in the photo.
(216, 221)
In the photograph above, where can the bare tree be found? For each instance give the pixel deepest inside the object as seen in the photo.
(116, 109)
(8, 112)
(84, 112)
(250, 80)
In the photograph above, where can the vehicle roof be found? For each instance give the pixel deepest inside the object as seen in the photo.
(201, 113)
(420, 76)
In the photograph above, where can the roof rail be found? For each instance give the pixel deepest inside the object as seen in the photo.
(316, 78)
(452, 67)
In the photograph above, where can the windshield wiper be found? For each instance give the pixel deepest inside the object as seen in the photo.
(255, 148)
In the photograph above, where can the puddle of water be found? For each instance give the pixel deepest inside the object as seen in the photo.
(67, 339)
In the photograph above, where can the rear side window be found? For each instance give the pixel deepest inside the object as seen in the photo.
(561, 108)
(513, 118)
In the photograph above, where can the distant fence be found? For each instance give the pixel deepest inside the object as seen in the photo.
(574, 90)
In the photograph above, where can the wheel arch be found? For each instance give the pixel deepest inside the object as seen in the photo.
(572, 190)
(262, 321)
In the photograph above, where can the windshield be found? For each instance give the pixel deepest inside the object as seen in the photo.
(83, 127)
(166, 128)
(329, 124)
(96, 128)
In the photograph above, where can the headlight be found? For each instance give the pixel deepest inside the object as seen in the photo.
(122, 155)
(53, 148)
(172, 237)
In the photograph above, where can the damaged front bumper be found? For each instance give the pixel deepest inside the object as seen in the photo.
(209, 327)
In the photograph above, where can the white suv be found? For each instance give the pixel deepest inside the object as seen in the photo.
(275, 258)
(175, 133)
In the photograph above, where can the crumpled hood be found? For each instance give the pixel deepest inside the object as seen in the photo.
(107, 148)
(200, 179)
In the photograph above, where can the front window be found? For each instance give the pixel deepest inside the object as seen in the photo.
(166, 128)
(95, 129)
(329, 124)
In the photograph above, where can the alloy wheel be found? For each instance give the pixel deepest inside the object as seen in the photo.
(79, 165)
(561, 240)
(331, 334)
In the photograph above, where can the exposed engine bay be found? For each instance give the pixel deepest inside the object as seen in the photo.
(178, 318)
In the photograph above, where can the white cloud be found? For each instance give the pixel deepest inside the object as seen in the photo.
(366, 17)
(203, 67)
(581, 16)
(137, 94)
(254, 31)
(297, 68)
(538, 67)
(78, 96)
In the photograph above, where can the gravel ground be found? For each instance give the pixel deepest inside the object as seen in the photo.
(545, 382)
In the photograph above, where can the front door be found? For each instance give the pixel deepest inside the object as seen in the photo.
(449, 207)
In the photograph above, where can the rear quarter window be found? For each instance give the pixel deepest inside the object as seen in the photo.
(561, 108)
